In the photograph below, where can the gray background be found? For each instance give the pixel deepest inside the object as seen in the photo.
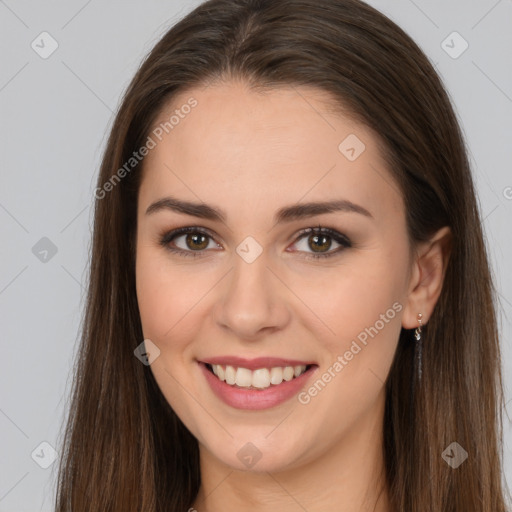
(55, 114)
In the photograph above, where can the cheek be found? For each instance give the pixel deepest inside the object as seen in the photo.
(363, 307)
(152, 295)
(354, 298)
(163, 305)
(162, 297)
(173, 302)
(362, 304)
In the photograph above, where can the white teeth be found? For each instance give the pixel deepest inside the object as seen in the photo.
(261, 378)
(288, 373)
(276, 376)
(230, 375)
(243, 377)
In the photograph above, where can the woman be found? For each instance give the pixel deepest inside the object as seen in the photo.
(290, 304)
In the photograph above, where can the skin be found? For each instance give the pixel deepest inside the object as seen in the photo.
(250, 154)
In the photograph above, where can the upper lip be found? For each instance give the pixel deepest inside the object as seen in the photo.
(255, 364)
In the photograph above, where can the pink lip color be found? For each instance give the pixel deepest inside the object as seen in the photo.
(255, 399)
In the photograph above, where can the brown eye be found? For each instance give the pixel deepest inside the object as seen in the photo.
(319, 240)
(196, 241)
(194, 244)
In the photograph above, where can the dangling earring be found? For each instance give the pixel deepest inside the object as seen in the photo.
(417, 335)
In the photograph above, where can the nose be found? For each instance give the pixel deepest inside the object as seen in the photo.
(252, 302)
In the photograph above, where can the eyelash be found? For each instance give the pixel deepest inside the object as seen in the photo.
(168, 237)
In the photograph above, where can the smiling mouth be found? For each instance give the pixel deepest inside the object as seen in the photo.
(261, 378)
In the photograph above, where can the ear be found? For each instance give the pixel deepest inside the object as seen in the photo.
(427, 276)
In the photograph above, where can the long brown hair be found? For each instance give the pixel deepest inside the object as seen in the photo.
(124, 448)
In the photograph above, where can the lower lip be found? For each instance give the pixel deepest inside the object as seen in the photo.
(255, 399)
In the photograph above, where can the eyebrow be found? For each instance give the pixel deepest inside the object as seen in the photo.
(285, 214)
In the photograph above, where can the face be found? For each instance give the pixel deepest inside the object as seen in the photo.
(261, 273)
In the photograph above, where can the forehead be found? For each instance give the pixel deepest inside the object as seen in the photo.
(282, 145)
